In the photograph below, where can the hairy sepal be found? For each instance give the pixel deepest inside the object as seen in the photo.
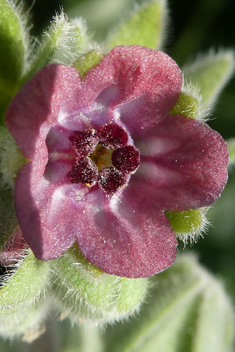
(84, 292)
(189, 225)
(146, 26)
(22, 307)
(210, 73)
(63, 42)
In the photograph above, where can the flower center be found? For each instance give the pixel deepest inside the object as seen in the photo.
(103, 157)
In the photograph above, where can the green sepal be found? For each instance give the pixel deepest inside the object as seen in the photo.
(25, 286)
(187, 105)
(83, 291)
(210, 73)
(22, 294)
(12, 50)
(88, 61)
(63, 42)
(187, 310)
(188, 225)
(145, 27)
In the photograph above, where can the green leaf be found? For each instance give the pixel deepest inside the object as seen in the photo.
(84, 291)
(231, 151)
(8, 222)
(187, 310)
(63, 42)
(12, 48)
(11, 158)
(210, 73)
(14, 41)
(145, 27)
(5, 99)
(188, 225)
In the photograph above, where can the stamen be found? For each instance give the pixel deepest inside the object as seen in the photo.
(103, 156)
(112, 136)
(84, 171)
(126, 159)
(110, 179)
(85, 142)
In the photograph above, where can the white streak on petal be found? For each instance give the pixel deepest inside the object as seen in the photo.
(160, 175)
(75, 192)
(157, 146)
(75, 121)
(114, 203)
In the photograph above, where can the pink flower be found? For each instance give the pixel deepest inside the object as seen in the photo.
(108, 159)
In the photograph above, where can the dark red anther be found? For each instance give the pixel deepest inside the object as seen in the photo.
(112, 136)
(85, 142)
(126, 159)
(110, 179)
(84, 171)
(94, 159)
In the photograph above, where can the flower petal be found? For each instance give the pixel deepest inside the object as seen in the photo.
(119, 240)
(183, 165)
(56, 95)
(126, 77)
(39, 203)
(58, 142)
(124, 242)
(38, 105)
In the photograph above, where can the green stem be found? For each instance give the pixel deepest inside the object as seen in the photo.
(48, 342)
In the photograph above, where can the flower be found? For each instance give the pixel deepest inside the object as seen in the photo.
(107, 159)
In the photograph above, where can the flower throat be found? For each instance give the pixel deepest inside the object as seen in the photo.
(104, 157)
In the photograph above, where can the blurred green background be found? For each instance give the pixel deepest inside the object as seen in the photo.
(194, 26)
